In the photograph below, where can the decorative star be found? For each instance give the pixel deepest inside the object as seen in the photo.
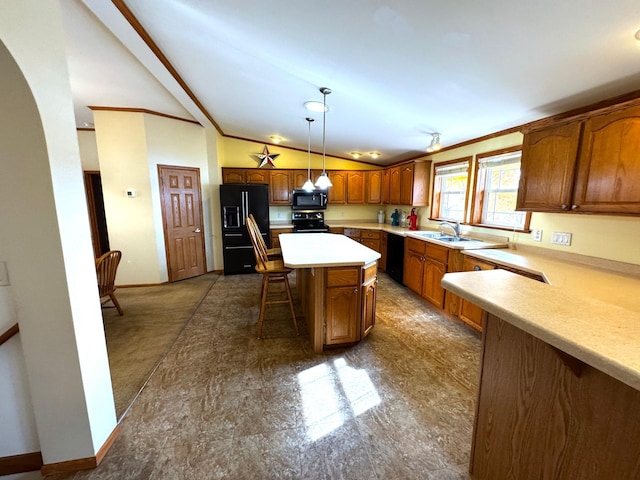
(266, 157)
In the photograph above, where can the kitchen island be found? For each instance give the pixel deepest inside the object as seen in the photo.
(559, 389)
(336, 281)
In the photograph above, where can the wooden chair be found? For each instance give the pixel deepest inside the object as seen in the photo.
(273, 271)
(272, 253)
(106, 268)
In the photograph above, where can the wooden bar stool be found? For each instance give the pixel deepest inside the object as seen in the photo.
(273, 271)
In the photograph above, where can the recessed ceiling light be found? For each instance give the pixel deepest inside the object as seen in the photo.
(374, 155)
(637, 35)
(316, 106)
(276, 138)
(355, 155)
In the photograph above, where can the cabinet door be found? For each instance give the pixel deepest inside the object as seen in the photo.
(609, 166)
(279, 187)
(299, 177)
(413, 271)
(547, 168)
(386, 179)
(382, 263)
(352, 233)
(368, 306)
(394, 186)
(372, 243)
(355, 186)
(233, 175)
(374, 186)
(431, 288)
(342, 307)
(338, 193)
(406, 184)
(255, 175)
(275, 240)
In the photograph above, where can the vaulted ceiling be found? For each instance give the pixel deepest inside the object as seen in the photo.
(398, 70)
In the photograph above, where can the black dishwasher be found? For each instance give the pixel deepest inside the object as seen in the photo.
(395, 257)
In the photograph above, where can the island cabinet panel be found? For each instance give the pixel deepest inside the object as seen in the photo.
(609, 166)
(470, 313)
(342, 305)
(368, 306)
(356, 187)
(547, 168)
(542, 414)
(373, 189)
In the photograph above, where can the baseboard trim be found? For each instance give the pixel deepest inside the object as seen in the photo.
(82, 463)
(26, 462)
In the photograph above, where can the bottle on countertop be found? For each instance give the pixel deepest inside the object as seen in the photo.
(381, 216)
(403, 219)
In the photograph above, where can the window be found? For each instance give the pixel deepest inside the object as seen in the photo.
(450, 186)
(497, 179)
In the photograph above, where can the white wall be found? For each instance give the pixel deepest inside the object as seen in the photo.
(88, 150)
(45, 239)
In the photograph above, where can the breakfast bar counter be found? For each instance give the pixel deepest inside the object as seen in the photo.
(336, 281)
(559, 390)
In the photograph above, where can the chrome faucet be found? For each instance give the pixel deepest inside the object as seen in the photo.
(455, 228)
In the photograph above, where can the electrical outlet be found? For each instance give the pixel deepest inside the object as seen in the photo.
(536, 235)
(4, 276)
(561, 238)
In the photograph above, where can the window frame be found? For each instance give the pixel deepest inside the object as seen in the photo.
(478, 194)
(435, 198)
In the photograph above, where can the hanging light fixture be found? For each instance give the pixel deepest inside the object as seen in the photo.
(434, 146)
(308, 185)
(323, 181)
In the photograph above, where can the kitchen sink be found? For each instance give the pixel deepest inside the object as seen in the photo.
(449, 238)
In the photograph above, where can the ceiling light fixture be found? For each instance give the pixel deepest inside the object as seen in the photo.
(276, 138)
(323, 181)
(355, 155)
(637, 35)
(434, 146)
(316, 106)
(374, 155)
(308, 185)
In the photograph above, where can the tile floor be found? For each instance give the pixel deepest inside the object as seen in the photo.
(225, 404)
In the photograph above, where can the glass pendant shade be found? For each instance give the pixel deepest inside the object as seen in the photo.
(323, 181)
(308, 186)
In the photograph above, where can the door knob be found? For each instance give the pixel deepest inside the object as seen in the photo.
(197, 230)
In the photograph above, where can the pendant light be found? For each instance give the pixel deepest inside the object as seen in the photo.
(434, 146)
(308, 185)
(323, 181)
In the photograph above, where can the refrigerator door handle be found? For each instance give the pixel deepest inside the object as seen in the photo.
(244, 208)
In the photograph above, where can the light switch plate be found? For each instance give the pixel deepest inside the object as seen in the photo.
(4, 276)
(536, 235)
(561, 238)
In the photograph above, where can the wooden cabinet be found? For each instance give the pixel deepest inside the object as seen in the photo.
(382, 263)
(280, 187)
(369, 287)
(371, 239)
(386, 179)
(435, 266)
(409, 184)
(356, 186)
(275, 241)
(245, 175)
(413, 271)
(299, 177)
(470, 313)
(338, 193)
(585, 165)
(342, 305)
(352, 233)
(373, 189)
(338, 230)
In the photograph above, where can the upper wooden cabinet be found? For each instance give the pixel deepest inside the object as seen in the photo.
(337, 194)
(280, 186)
(394, 185)
(373, 189)
(409, 184)
(386, 179)
(356, 186)
(587, 165)
(245, 175)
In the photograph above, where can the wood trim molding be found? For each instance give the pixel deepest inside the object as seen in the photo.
(11, 331)
(26, 462)
(144, 35)
(139, 110)
(82, 463)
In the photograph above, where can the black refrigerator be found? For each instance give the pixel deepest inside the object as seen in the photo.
(237, 201)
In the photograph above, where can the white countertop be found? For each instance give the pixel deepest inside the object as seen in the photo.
(602, 335)
(306, 250)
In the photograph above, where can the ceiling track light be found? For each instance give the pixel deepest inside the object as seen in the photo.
(434, 146)
(308, 185)
(323, 181)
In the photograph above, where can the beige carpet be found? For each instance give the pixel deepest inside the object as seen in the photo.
(153, 318)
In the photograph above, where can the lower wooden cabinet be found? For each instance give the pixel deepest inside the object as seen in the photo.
(424, 266)
(431, 288)
(470, 313)
(369, 306)
(275, 241)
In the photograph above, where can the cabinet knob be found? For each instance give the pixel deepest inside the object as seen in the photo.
(477, 268)
(575, 207)
(355, 290)
(564, 206)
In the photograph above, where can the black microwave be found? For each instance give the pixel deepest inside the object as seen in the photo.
(305, 200)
